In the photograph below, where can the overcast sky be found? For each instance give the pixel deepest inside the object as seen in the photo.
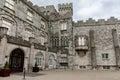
(84, 9)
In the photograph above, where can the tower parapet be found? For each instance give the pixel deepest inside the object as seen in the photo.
(47, 10)
(65, 8)
(92, 22)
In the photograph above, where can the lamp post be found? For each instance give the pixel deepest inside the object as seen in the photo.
(31, 39)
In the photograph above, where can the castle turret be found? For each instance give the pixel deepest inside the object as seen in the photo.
(65, 8)
(48, 9)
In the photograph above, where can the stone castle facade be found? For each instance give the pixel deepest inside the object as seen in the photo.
(31, 34)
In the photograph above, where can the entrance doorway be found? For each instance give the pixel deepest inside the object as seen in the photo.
(16, 60)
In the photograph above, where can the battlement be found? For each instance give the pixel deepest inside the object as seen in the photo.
(36, 8)
(64, 8)
(92, 22)
(48, 9)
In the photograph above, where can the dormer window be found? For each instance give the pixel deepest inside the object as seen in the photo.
(10, 4)
(29, 15)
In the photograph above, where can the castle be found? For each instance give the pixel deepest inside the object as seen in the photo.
(32, 34)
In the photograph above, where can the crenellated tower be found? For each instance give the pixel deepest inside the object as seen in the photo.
(65, 8)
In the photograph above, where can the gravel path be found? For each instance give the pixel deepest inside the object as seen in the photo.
(66, 75)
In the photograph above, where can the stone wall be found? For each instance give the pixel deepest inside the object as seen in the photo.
(20, 22)
(103, 43)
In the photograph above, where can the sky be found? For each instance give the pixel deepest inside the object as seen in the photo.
(85, 9)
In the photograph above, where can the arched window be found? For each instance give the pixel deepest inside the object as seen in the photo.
(51, 60)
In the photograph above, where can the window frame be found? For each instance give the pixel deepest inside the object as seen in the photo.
(4, 20)
(10, 4)
(81, 41)
(39, 58)
(63, 26)
(64, 41)
(28, 33)
(30, 15)
(105, 56)
(39, 61)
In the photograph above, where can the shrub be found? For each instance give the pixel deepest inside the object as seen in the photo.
(36, 65)
(6, 66)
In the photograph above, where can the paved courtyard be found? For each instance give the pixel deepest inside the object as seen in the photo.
(67, 75)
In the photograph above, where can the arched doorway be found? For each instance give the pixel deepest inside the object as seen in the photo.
(16, 60)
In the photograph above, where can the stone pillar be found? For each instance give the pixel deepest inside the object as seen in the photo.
(46, 56)
(31, 55)
(116, 47)
(32, 58)
(92, 48)
(2, 50)
(3, 42)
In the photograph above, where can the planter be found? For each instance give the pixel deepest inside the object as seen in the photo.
(35, 69)
(5, 72)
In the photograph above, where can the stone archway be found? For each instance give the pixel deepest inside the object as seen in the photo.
(16, 60)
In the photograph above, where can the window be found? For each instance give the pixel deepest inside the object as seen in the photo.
(105, 56)
(106, 67)
(43, 40)
(42, 25)
(38, 61)
(10, 4)
(64, 26)
(82, 67)
(29, 15)
(51, 60)
(81, 41)
(28, 33)
(64, 41)
(55, 41)
(8, 24)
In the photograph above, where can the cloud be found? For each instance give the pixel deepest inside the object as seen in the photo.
(84, 9)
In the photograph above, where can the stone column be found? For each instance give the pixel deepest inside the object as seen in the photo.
(3, 42)
(31, 54)
(92, 48)
(2, 50)
(116, 47)
(46, 56)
